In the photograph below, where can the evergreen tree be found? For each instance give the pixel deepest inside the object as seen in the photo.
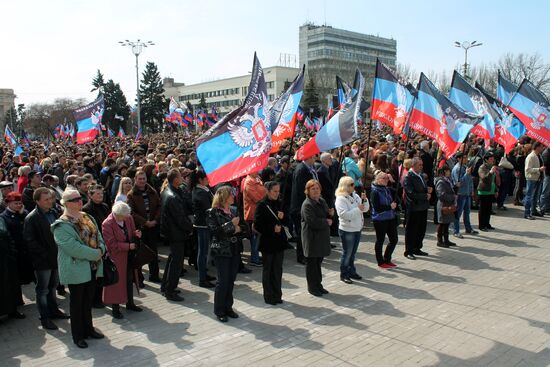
(153, 103)
(117, 111)
(15, 118)
(98, 83)
(202, 103)
(189, 106)
(311, 99)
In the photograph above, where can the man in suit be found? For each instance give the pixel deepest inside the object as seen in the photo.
(304, 172)
(327, 187)
(418, 195)
(43, 250)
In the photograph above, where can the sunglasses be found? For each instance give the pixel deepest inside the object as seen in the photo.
(74, 200)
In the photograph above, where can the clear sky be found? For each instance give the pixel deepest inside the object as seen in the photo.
(53, 48)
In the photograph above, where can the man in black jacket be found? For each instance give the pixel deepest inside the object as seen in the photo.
(325, 173)
(99, 211)
(43, 251)
(176, 228)
(418, 201)
(35, 181)
(304, 172)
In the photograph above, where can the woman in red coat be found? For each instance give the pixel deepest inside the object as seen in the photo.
(119, 232)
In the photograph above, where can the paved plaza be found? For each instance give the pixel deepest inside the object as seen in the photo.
(485, 303)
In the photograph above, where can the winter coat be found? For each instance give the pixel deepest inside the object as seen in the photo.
(74, 257)
(39, 239)
(350, 216)
(10, 290)
(315, 229)
(118, 247)
(136, 202)
(14, 223)
(264, 222)
(445, 197)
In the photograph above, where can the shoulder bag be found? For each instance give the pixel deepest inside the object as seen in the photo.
(110, 272)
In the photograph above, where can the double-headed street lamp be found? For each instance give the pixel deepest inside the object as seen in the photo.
(136, 47)
(466, 46)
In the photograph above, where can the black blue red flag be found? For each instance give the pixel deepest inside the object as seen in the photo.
(507, 131)
(339, 130)
(472, 100)
(240, 142)
(436, 116)
(88, 119)
(532, 107)
(505, 91)
(283, 114)
(392, 100)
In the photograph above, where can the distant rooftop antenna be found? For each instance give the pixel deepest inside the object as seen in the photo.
(287, 60)
(325, 11)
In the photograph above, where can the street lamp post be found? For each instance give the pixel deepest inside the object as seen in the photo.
(137, 47)
(466, 46)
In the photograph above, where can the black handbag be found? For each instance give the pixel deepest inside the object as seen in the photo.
(110, 272)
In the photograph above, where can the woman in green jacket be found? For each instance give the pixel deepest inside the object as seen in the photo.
(80, 249)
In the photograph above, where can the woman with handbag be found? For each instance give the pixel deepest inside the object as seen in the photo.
(227, 232)
(272, 243)
(120, 234)
(446, 206)
(80, 250)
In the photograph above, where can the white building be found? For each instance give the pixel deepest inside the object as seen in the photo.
(228, 94)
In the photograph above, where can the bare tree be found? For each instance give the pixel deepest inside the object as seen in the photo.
(407, 73)
(486, 75)
(516, 67)
(42, 117)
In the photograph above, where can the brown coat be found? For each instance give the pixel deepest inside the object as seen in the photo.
(135, 200)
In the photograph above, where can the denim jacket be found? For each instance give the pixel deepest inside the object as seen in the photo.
(466, 183)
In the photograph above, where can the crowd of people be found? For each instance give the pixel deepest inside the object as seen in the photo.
(70, 214)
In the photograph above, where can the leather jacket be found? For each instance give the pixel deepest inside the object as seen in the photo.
(175, 225)
(225, 242)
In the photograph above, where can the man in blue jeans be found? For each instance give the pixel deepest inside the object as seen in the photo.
(534, 169)
(43, 250)
(462, 179)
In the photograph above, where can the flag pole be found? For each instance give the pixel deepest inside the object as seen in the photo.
(400, 172)
(340, 159)
(290, 155)
(367, 163)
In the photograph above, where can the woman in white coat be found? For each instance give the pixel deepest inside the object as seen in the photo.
(350, 208)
